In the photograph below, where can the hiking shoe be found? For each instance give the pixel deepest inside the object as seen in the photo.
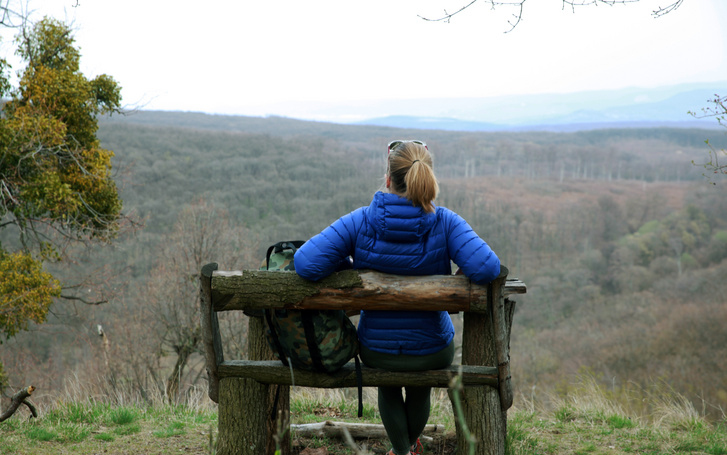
(417, 448)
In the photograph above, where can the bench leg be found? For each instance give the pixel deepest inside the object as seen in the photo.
(486, 422)
(484, 417)
(245, 423)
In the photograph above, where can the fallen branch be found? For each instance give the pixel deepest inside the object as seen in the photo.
(20, 398)
(356, 430)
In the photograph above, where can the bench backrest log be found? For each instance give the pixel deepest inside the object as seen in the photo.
(486, 331)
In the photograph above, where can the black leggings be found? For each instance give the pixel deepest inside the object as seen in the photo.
(405, 416)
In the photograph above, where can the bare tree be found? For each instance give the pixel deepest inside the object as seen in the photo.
(718, 110)
(202, 234)
(12, 14)
(518, 7)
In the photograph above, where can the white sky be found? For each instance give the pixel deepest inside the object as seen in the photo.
(254, 57)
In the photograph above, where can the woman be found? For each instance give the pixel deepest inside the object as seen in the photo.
(402, 232)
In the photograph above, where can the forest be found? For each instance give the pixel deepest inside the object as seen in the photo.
(618, 234)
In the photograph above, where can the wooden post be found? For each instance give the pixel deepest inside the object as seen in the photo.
(501, 332)
(211, 342)
(246, 424)
(484, 416)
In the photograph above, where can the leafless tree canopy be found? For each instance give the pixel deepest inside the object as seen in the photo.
(12, 13)
(519, 8)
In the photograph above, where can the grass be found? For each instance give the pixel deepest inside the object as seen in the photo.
(586, 420)
(593, 420)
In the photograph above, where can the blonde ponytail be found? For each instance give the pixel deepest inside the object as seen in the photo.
(412, 176)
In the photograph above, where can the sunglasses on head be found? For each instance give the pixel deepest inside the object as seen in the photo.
(394, 144)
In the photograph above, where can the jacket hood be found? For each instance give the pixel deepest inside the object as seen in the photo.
(396, 219)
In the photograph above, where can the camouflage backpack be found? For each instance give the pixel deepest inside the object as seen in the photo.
(312, 340)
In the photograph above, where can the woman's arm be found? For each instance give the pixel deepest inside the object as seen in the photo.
(323, 254)
(472, 254)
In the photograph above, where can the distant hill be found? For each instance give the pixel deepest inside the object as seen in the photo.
(451, 124)
(664, 107)
(627, 108)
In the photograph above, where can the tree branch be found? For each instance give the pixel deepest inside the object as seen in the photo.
(447, 16)
(519, 5)
(667, 9)
(82, 300)
(20, 398)
(718, 111)
(9, 17)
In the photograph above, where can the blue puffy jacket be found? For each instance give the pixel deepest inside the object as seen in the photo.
(393, 236)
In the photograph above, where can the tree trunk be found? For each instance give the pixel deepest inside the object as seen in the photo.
(481, 405)
(183, 354)
(243, 417)
(249, 417)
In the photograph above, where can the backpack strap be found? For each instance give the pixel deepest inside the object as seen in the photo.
(274, 412)
(359, 384)
(310, 338)
(277, 248)
(274, 336)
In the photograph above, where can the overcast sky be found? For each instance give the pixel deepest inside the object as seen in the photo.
(256, 57)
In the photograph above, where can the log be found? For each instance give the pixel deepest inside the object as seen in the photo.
(274, 372)
(332, 429)
(252, 290)
(21, 397)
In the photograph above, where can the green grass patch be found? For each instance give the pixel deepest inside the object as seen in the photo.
(520, 438)
(127, 430)
(565, 414)
(717, 449)
(72, 432)
(587, 448)
(106, 437)
(41, 434)
(122, 416)
(619, 422)
(308, 408)
(79, 413)
(173, 429)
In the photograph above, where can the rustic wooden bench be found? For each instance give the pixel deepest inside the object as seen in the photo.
(248, 390)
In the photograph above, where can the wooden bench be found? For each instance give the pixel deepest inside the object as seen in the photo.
(246, 389)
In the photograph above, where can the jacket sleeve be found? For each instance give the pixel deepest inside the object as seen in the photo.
(324, 253)
(472, 254)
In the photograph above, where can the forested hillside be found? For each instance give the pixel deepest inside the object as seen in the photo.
(618, 236)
